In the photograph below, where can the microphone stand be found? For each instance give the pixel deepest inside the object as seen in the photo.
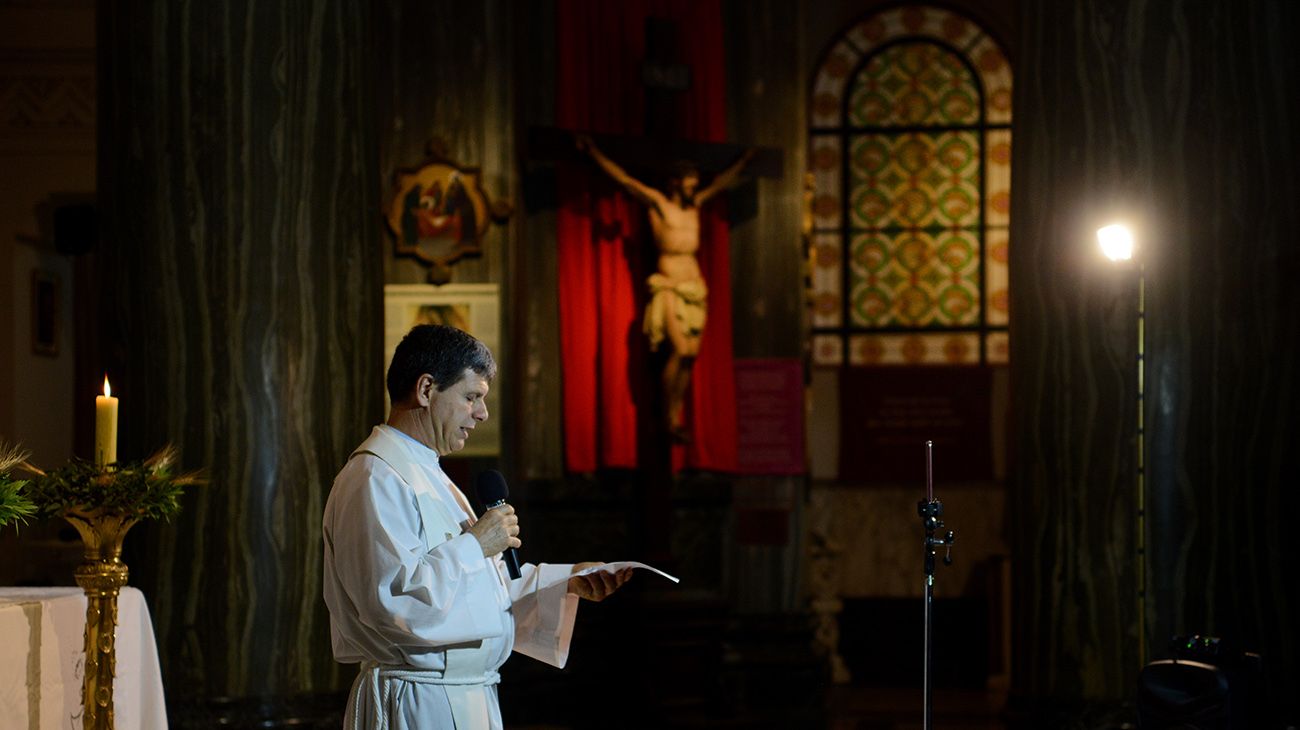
(930, 510)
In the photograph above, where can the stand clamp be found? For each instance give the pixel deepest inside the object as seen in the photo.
(930, 512)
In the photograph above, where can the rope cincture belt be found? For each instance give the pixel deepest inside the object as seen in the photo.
(378, 677)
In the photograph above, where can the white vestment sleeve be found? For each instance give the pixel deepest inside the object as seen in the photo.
(544, 612)
(409, 596)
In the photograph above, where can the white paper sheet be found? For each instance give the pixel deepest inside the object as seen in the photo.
(615, 567)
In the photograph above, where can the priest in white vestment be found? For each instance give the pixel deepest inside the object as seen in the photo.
(416, 589)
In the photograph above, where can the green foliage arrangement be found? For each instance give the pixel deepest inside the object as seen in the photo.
(149, 489)
(15, 504)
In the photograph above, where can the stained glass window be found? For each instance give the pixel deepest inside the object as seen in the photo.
(910, 150)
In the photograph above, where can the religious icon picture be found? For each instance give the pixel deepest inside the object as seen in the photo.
(474, 308)
(452, 315)
(439, 213)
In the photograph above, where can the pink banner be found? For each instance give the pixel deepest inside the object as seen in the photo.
(888, 413)
(770, 416)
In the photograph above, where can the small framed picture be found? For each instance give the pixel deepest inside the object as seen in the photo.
(474, 308)
(45, 313)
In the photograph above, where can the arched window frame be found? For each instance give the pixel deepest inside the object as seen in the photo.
(837, 340)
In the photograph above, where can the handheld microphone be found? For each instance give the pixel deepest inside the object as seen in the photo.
(492, 491)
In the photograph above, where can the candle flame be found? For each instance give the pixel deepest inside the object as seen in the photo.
(107, 390)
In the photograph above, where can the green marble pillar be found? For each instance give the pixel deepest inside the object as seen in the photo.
(242, 265)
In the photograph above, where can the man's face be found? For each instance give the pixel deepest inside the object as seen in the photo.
(454, 412)
(688, 184)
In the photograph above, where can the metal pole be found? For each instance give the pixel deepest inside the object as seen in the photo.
(930, 510)
(1141, 537)
(927, 718)
(928, 690)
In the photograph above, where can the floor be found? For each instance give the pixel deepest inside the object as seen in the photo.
(844, 708)
(867, 708)
(875, 708)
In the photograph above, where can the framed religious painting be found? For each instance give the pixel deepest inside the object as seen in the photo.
(439, 212)
(474, 308)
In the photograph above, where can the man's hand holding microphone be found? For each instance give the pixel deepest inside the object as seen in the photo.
(497, 530)
(500, 535)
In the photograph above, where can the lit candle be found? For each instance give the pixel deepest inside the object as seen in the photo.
(105, 427)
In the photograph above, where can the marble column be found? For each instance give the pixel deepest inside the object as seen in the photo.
(1179, 117)
(242, 265)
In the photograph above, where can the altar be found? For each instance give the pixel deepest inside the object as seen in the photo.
(42, 658)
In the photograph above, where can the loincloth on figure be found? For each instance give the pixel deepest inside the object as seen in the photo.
(687, 300)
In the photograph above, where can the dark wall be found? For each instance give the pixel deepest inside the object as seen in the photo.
(1180, 117)
(445, 72)
(238, 187)
(765, 89)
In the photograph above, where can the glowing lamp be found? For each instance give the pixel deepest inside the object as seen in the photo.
(1116, 242)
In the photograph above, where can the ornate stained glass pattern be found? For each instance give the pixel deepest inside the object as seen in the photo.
(829, 85)
(913, 84)
(827, 281)
(995, 77)
(825, 160)
(997, 173)
(997, 346)
(915, 180)
(827, 350)
(831, 82)
(915, 279)
(914, 20)
(910, 153)
(996, 278)
(955, 348)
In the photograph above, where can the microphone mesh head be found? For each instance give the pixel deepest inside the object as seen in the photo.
(491, 487)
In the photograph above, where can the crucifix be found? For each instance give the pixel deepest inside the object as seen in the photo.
(675, 313)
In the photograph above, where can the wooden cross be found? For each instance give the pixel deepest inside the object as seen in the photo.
(665, 79)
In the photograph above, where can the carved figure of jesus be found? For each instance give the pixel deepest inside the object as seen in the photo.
(678, 302)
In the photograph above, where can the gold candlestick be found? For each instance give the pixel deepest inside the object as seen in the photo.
(109, 501)
(101, 577)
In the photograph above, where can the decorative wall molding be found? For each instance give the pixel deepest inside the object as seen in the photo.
(47, 77)
(47, 108)
(47, 101)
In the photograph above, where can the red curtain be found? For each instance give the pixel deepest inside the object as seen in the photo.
(604, 249)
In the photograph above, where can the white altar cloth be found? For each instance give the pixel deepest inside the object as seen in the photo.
(42, 631)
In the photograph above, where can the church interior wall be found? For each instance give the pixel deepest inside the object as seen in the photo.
(47, 153)
(764, 81)
(8, 331)
(446, 77)
(39, 395)
(873, 527)
(535, 314)
(242, 307)
(445, 72)
(1173, 119)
